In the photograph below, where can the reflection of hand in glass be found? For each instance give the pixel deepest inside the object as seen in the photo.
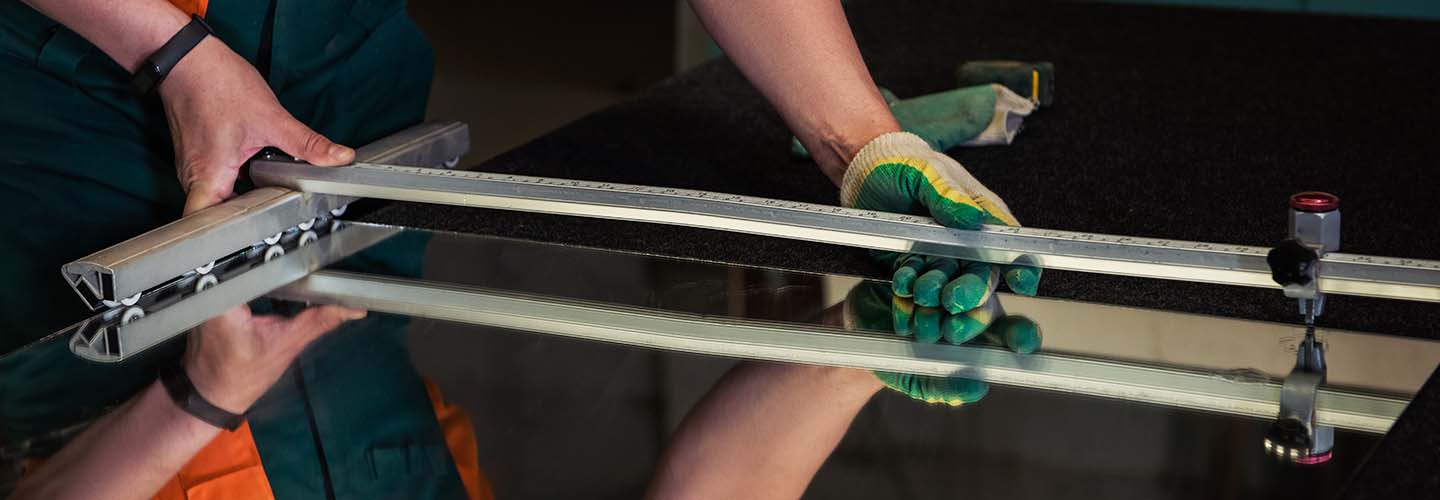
(235, 357)
(977, 317)
(232, 360)
(775, 424)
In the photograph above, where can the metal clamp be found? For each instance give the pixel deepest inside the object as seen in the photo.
(1295, 265)
(1295, 436)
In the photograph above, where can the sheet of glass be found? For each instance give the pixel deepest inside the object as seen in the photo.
(1231, 348)
(560, 418)
(1209, 363)
(549, 407)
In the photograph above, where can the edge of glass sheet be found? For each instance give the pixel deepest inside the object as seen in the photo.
(773, 341)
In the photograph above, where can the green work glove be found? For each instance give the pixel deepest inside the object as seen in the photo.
(1032, 80)
(898, 172)
(872, 306)
(933, 298)
(980, 115)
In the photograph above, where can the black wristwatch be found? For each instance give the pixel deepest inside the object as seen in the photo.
(159, 64)
(182, 391)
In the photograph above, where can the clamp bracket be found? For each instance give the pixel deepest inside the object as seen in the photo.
(1295, 265)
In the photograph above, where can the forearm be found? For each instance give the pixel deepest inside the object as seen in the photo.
(762, 432)
(126, 30)
(802, 56)
(129, 453)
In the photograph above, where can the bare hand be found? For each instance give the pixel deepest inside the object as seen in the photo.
(221, 112)
(235, 357)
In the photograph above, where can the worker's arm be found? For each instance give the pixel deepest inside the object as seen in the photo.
(762, 432)
(220, 111)
(802, 56)
(131, 452)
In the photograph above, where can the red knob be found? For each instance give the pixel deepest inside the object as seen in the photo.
(1314, 202)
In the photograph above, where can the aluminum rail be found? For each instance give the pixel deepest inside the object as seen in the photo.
(1347, 274)
(139, 264)
(788, 342)
(106, 338)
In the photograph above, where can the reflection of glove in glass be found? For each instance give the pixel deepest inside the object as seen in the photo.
(870, 306)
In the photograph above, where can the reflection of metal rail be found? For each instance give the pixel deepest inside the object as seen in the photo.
(1411, 279)
(788, 342)
(141, 264)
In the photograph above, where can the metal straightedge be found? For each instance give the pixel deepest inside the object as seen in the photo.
(1384, 277)
(118, 275)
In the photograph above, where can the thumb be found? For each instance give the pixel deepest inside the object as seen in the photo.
(208, 192)
(311, 323)
(199, 199)
(300, 141)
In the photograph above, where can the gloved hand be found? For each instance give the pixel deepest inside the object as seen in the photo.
(979, 115)
(870, 306)
(900, 173)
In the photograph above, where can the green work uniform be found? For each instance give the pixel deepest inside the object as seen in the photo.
(88, 163)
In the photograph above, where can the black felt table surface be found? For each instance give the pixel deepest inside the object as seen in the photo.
(1403, 465)
(1170, 123)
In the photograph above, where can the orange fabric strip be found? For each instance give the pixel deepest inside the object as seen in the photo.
(226, 469)
(229, 468)
(196, 7)
(460, 439)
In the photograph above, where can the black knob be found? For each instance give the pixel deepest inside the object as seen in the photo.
(1292, 263)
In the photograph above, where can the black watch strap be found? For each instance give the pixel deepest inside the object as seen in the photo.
(183, 392)
(159, 64)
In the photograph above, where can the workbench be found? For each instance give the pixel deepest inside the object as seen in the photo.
(1184, 124)
(1174, 123)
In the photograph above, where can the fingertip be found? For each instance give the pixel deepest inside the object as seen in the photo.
(340, 155)
(339, 314)
(902, 314)
(963, 390)
(963, 293)
(902, 283)
(1019, 333)
(200, 199)
(329, 317)
(960, 328)
(978, 391)
(928, 286)
(1024, 280)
